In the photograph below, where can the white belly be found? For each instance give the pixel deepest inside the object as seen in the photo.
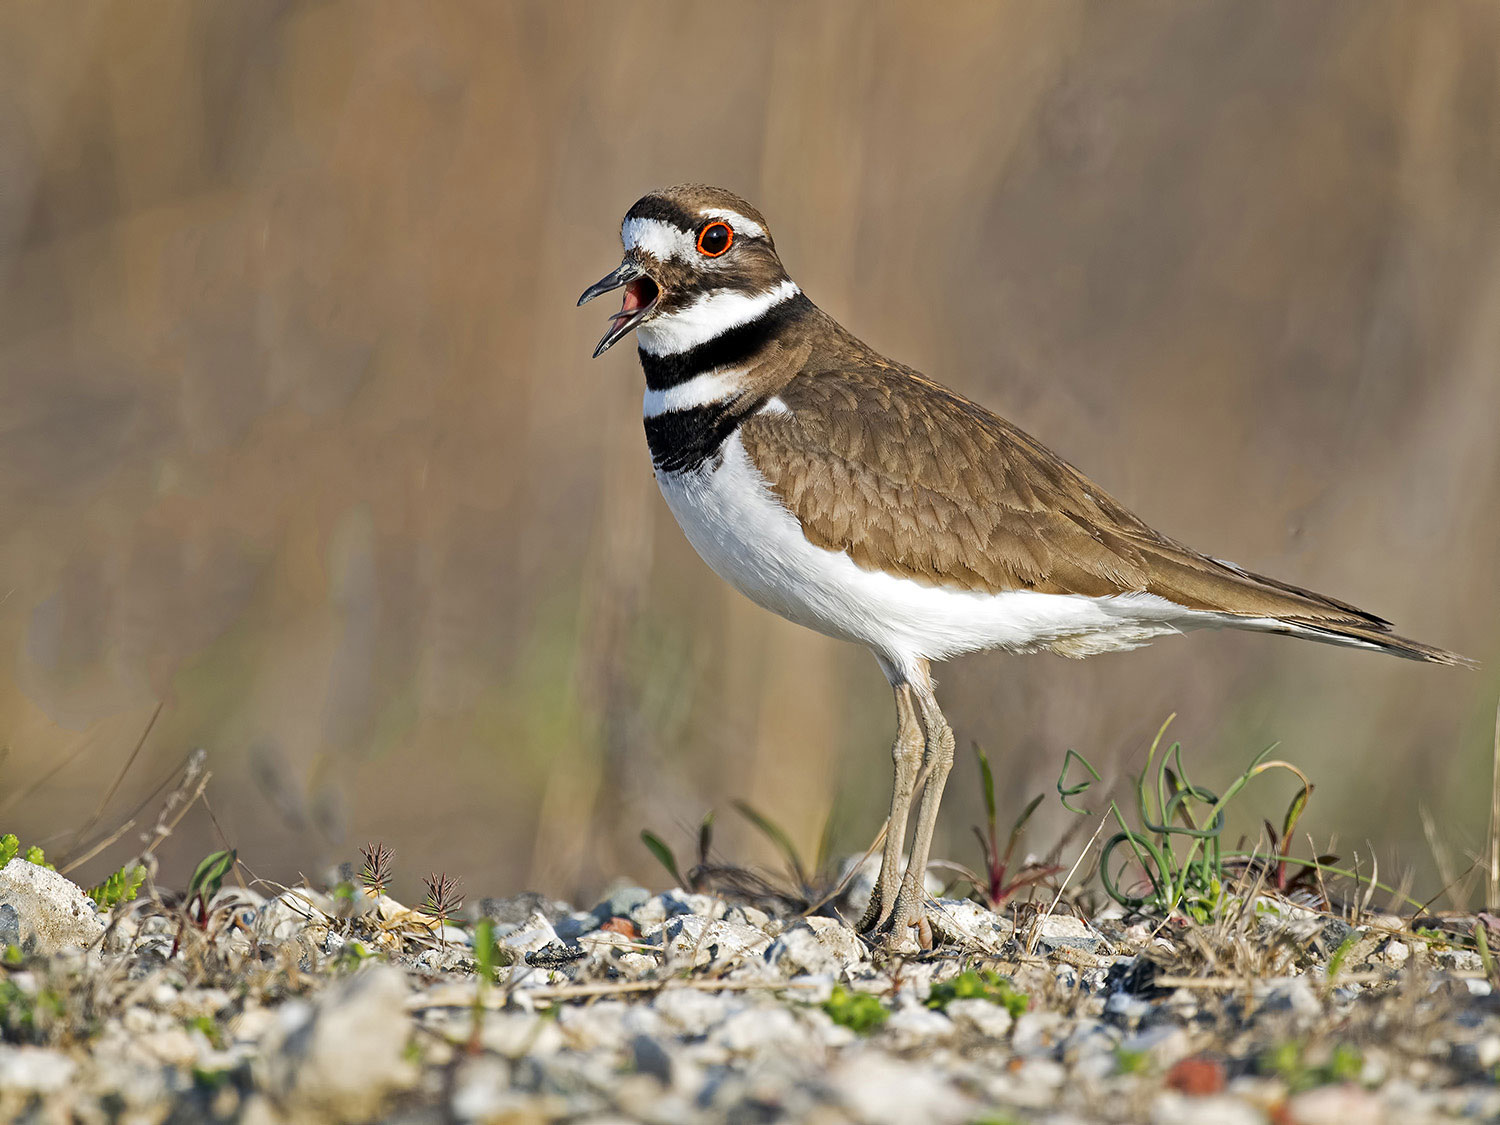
(741, 529)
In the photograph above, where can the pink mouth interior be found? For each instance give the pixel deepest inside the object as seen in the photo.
(638, 294)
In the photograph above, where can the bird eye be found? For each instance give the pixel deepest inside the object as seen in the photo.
(714, 239)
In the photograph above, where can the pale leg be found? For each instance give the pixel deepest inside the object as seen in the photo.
(906, 752)
(937, 761)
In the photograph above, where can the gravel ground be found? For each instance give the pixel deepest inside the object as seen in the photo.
(680, 1007)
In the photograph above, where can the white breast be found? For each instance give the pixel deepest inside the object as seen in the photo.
(734, 520)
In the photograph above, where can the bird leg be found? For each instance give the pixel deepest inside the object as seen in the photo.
(906, 752)
(937, 761)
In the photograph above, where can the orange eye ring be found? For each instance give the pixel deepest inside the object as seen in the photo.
(715, 239)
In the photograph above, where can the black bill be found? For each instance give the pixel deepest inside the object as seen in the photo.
(640, 298)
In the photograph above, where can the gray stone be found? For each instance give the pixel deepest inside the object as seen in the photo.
(620, 902)
(10, 926)
(342, 1055)
(1063, 931)
(517, 910)
(1295, 996)
(649, 1057)
(816, 945)
(1164, 1044)
(709, 940)
(969, 924)
(52, 912)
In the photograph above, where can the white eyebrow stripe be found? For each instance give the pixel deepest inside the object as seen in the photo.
(660, 240)
(704, 389)
(709, 316)
(738, 222)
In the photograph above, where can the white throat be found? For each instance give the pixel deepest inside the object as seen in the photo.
(710, 315)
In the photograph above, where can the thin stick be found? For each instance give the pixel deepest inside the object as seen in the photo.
(119, 777)
(1492, 899)
(1036, 930)
(617, 988)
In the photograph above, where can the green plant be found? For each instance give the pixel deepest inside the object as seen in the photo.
(1288, 1061)
(860, 1012)
(207, 878)
(999, 882)
(979, 984)
(1178, 848)
(1128, 1061)
(1336, 960)
(122, 886)
(10, 847)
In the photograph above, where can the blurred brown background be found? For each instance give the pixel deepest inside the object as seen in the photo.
(299, 434)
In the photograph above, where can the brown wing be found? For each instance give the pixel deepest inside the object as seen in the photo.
(908, 477)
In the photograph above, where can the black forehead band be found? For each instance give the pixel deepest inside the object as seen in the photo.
(655, 207)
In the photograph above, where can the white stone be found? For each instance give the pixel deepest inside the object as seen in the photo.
(34, 1070)
(971, 924)
(697, 940)
(883, 1090)
(761, 1029)
(816, 945)
(1172, 1108)
(343, 1053)
(980, 1017)
(914, 1026)
(53, 913)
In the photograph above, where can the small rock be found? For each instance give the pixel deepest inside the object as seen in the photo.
(916, 1026)
(1334, 1105)
(711, 941)
(693, 1011)
(518, 910)
(884, 1090)
(649, 1057)
(620, 901)
(1295, 996)
(1197, 1076)
(969, 924)
(1063, 931)
(816, 945)
(980, 1017)
(1037, 1033)
(34, 1070)
(650, 915)
(1164, 1044)
(533, 935)
(10, 926)
(760, 1029)
(51, 912)
(1174, 1108)
(342, 1054)
(1394, 952)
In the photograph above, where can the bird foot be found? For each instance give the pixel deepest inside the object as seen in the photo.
(906, 930)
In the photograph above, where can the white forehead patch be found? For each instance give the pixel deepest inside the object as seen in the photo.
(741, 225)
(660, 240)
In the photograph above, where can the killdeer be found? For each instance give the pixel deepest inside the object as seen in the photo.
(858, 497)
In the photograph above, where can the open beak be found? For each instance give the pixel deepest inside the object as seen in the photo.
(640, 299)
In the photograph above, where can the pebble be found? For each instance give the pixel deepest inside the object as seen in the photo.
(50, 912)
(604, 1025)
(980, 1017)
(1063, 931)
(816, 945)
